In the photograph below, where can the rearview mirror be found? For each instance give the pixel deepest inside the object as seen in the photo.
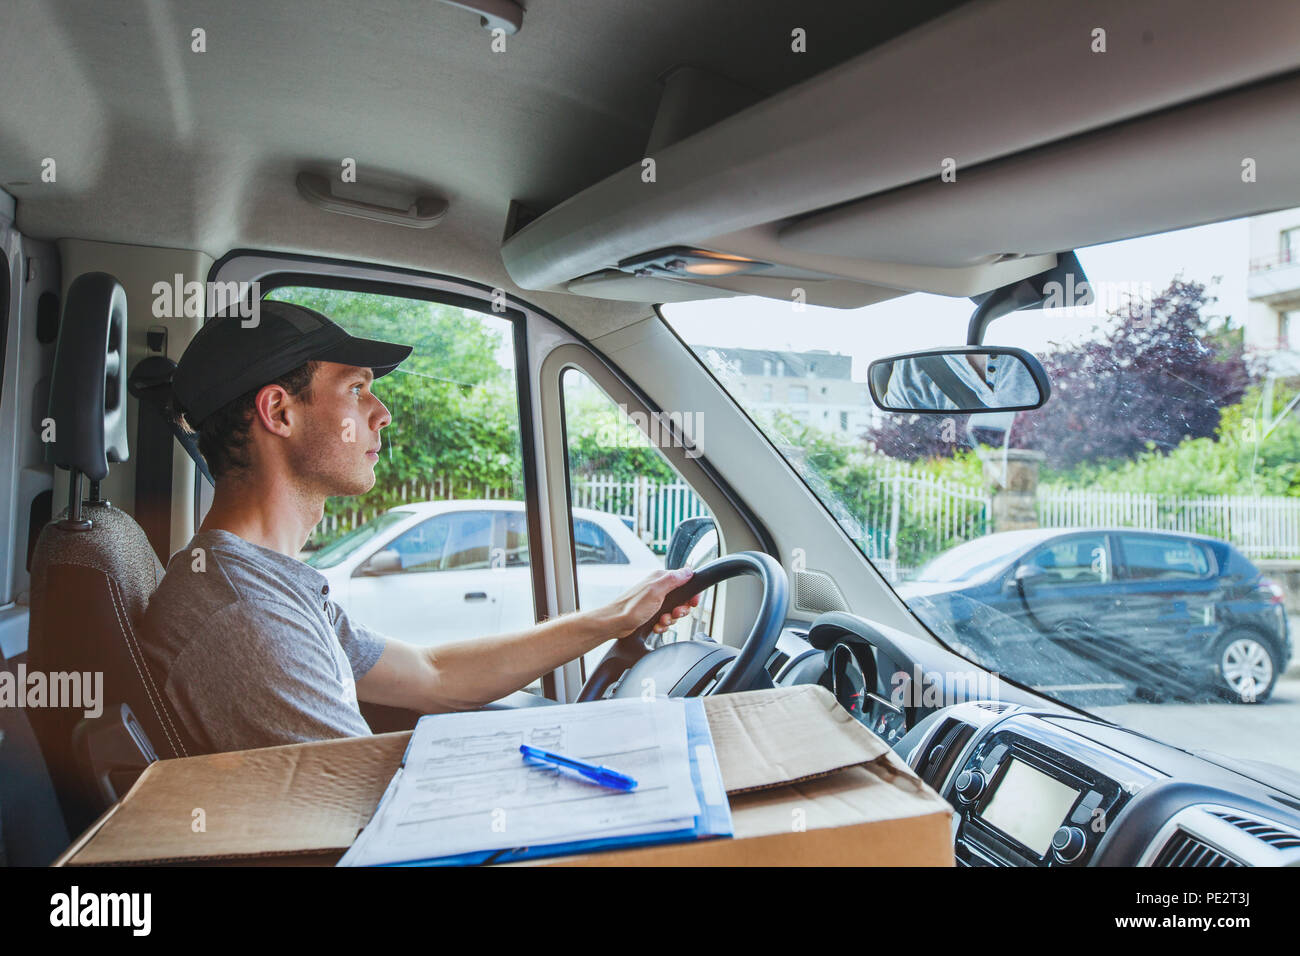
(962, 379)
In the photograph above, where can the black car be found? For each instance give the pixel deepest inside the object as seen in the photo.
(1159, 615)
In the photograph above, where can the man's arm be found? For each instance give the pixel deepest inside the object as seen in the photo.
(468, 674)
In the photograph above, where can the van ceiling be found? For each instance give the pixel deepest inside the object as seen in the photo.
(158, 145)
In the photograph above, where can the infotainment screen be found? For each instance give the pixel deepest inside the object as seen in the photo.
(1029, 805)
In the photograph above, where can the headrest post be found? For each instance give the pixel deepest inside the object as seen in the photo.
(74, 521)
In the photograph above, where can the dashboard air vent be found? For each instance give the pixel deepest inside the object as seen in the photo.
(1183, 849)
(1270, 834)
(941, 751)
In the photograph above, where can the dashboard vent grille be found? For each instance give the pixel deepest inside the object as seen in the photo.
(941, 751)
(1183, 849)
(1272, 835)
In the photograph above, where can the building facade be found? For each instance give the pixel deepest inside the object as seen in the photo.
(815, 387)
(1273, 289)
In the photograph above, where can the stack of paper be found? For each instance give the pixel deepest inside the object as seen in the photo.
(465, 794)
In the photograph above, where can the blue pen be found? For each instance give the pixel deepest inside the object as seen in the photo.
(601, 775)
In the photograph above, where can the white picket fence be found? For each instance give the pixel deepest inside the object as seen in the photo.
(907, 511)
(1261, 527)
(654, 508)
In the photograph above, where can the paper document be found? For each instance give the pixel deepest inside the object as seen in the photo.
(464, 786)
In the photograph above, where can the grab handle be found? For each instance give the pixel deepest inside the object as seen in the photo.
(425, 212)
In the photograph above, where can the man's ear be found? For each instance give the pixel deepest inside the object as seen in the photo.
(271, 408)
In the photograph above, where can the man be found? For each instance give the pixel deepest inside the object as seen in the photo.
(248, 645)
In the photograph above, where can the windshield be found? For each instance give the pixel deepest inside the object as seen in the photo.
(337, 551)
(1132, 548)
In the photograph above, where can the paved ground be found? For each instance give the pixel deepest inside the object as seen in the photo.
(1268, 731)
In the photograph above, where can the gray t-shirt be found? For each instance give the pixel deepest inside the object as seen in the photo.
(250, 649)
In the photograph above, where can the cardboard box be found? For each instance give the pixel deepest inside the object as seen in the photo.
(808, 785)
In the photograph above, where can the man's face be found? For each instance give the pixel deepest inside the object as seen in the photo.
(336, 449)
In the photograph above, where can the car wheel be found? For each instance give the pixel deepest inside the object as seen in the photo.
(1247, 666)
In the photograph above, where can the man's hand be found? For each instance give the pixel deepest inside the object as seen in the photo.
(634, 607)
(466, 674)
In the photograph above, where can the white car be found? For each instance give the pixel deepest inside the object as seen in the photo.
(437, 571)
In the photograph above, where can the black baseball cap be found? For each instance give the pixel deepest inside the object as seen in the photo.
(231, 355)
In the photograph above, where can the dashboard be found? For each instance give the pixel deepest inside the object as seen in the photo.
(1033, 783)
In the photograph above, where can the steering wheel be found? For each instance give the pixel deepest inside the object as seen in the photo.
(686, 668)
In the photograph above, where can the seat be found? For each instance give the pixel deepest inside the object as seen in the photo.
(93, 572)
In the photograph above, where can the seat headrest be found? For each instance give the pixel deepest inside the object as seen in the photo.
(88, 385)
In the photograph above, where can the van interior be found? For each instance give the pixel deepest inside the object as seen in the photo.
(566, 178)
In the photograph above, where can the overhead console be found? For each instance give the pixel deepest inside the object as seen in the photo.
(834, 186)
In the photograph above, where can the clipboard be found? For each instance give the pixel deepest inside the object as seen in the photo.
(713, 820)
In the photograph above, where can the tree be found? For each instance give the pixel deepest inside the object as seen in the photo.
(1158, 375)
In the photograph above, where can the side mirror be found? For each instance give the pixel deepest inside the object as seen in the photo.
(388, 561)
(686, 536)
(1027, 574)
(964, 379)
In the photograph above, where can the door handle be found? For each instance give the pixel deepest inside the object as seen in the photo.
(475, 595)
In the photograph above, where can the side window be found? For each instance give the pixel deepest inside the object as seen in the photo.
(516, 539)
(594, 545)
(1157, 558)
(422, 548)
(469, 541)
(627, 502)
(454, 438)
(1079, 560)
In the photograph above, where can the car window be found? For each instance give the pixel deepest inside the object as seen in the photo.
(516, 538)
(469, 541)
(424, 546)
(1081, 560)
(1152, 558)
(338, 551)
(593, 545)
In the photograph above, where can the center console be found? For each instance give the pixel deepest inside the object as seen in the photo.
(1025, 792)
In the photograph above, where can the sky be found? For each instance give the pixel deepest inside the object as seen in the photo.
(921, 320)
